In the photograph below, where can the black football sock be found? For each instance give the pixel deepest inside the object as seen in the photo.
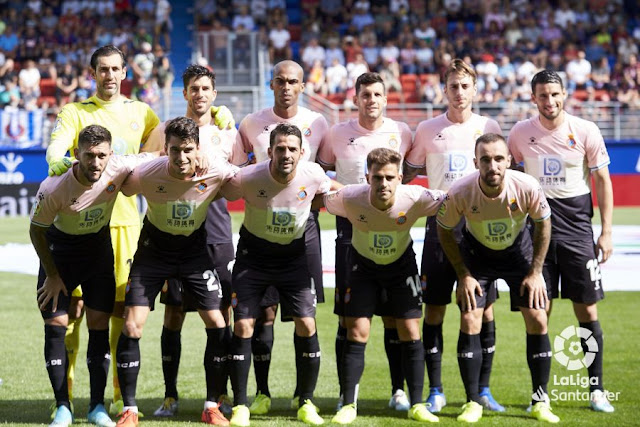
(352, 368)
(171, 347)
(413, 364)
(98, 361)
(539, 360)
(433, 347)
(488, 343)
(341, 338)
(394, 358)
(55, 357)
(308, 350)
(469, 362)
(228, 335)
(595, 369)
(239, 365)
(215, 361)
(261, 345)
(128, 363)
(299, 373)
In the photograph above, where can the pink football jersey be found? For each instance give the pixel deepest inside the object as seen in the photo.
(76, 209)
(347, 145)
(562, 158)
(177, 206)
(256, 128)
(494, 222)
(273, 211)
(447, 149)
(383, 236)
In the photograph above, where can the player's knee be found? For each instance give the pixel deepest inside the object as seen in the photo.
(585, 312)
(434, 314)
(97, 320)
(57, 321)
(173, 317)
(535, 321)
(471, 321)
(243, 328)
(212, 319)
(358, 329)
(132, 329)
(487, 314)
(305, 326)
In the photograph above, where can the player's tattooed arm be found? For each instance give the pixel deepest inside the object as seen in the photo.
(409, 172)
(468, 286)
(533, 281)
(53, 284)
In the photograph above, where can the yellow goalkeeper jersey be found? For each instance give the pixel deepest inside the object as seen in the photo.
(130, 123)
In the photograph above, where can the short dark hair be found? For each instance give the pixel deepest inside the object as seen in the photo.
(94, 135)
(107, 50)
(544, 77)
(384, 156)
(197, 71)
(488, 138)
(183, 128)
(366, 79)
(458, 66)
(284, 129)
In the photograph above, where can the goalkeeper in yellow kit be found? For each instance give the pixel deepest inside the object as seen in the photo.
(130, 123)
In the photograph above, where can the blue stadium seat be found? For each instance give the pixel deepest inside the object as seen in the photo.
(295, 50)
(295, 16)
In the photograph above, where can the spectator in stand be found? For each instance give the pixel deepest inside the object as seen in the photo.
(408, 58)
(506, 77)
(244, 19)
(10, 95)
(332, 52)
(351, 47)
(354, 70)
(66, 84)
(424, 57)
(424, 31)
(564, 15)
(626, 49)
(163, 71)
(362, 18)
(29, 83)
(579, 74)
(316, 79)
(494, 15)
(163, 24)
(312, 52)
(390, 73)
(371, 54)
(47, 64)
(143, 62)
(389, 52)
(86, 85)
(631, 72)
(9, 41)
(487, 71)
(279, 48)
(431, 91)
(336, 76)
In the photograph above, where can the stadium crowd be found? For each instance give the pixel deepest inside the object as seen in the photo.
(45, 46)
(593, 45)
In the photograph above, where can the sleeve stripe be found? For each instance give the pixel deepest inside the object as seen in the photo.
(40, 224)
(600, 166)
(543, 218)
(412, 165)
(446, 227)
(319, 160)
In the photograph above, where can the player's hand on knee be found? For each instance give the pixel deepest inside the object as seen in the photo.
(50, 291)
(222, 117)
(535, 286)
(466, 292)
(59, 166)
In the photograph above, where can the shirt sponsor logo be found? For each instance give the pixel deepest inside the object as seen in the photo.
(382, 241)
(552, 167)
(457, 162)
(262, 193)
(181, 211)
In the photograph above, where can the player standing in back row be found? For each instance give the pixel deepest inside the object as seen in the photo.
(345, 150)
(563, 151)
(443, 149)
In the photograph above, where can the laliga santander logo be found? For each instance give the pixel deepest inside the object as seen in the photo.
(566, 349)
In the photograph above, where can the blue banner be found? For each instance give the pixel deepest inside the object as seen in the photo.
(21, 128)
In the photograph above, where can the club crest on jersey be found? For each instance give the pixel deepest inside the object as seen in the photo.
(215, 140)
(56, 125)
(134, 126)
(234, 300)
(477, 134)
(513, 205)
(302, 194)
(306, 131)
(128, 287)
(393, 142)
(402, 218)
(111, 187)
(201, 187)
(572, 141)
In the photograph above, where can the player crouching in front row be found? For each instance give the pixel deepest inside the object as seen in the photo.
(382, 213)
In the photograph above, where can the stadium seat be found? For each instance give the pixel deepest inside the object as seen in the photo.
(294, 15)
(126, 87)
(410, 85)
(336, 98)
(393, 97)
(295, 31)
(47, 87)
(580, 95)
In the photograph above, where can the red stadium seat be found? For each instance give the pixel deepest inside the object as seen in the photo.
(47, 87)
(295, 31)
(126, 87)
(336, 98)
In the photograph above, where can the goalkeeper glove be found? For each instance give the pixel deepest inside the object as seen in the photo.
(222, 117)
(59, 166)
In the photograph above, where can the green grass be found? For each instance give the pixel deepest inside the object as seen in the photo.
(26, 394)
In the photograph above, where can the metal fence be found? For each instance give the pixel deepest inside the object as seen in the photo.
(614, 120)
